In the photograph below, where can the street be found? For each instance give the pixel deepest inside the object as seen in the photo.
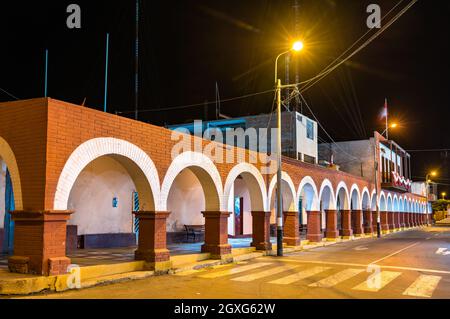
(413, 264)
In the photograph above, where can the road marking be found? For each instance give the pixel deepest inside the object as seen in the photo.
(337, 278)
(442, 251)
(235, 270)
(385, 277)
(265, 273)
(395, 253)
(360, 248)
(424, 286)
(364, 265)
(299, 276)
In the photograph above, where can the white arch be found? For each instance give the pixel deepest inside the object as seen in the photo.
(365, 199)
(355, 190)
(285, 177)
(7, 155)
(93, 149)
(326, 184)
(343, 186)
(395, 205)
(253, 171)
(207, 173)
(314, 204)
(373, 201)
(389, 204)
(382, 203)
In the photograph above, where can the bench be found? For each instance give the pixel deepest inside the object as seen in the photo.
(193, 231)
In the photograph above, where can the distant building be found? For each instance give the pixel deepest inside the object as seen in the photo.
(358, 158)
(299, 133)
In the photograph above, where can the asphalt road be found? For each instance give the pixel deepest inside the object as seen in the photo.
(410, 264)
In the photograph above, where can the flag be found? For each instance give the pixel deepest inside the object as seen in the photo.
(384, 112)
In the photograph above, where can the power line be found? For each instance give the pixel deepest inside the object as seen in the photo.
(11, 95)
(311, 82)
(429, 150)
(199, 104)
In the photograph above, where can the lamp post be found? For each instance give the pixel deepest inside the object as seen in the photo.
(297, 46)
(427, 183)
(443, 195)
(393, 125)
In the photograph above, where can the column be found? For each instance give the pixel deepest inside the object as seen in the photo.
(397, 226)
(216, 235)
(331, 232)
(391, 222)
(384, 222)
(40, 242)
(314, 233)
(152, 247)
(346, 220)
(261, 230)
(375, 221)
(357, 225)
(402, 220)
(291, 236)
(368, 222)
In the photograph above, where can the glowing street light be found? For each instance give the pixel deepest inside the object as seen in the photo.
(443, 195)
(427, 183)
(393, 125)
(296, 47)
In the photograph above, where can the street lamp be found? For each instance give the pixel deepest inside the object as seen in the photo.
(427, 184)
(393, 125)
(296, 47)
(443, 195)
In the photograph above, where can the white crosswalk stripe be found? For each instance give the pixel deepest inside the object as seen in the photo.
(337, 278)
(376, 282)
(265, 273)
(299, 276)
(424, 286)
(233, 271)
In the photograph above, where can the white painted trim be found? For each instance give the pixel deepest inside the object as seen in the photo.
(92, 149)
(253, 171)
(7, 155)
(192, 160)
(307, 180)
(347, 194)
(285, 177)
(326, 183)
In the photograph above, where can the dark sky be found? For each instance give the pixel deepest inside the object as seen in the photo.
(186, 46)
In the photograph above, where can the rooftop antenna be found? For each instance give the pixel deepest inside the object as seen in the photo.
(46, 72)
(136, 69)
(106, 72)
(217, 102)
(297, 36)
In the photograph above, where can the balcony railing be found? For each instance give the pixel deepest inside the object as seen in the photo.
(395, 182)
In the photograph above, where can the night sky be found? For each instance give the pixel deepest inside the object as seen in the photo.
(188, 46)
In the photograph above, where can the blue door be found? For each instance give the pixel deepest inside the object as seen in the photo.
(8, 239)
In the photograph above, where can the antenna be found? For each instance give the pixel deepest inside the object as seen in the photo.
(136, 70)
(106, 72)
(46, 73)
(217, 102)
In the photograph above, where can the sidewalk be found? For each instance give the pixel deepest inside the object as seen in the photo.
(115, 265)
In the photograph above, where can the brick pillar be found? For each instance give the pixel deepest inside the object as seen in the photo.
(384, 222)
(152, 246)
(397, 221)
(368, 222)
(261, 230)
(216, 235)
(414, 219)
(408, 220)
(291, 236)
(40, 242)
(357, 223)
(402, 220)
(421, 219)
(391, 222)
(331, 232)
(314, 228)
(375, 221)
(346, 221)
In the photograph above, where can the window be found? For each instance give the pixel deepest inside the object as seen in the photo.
(310, 130)
(309, 159)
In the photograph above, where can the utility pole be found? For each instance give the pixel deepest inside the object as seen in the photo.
(279, 197)
(106, 73)
(375, 142)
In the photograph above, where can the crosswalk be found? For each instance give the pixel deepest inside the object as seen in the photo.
(322, 276)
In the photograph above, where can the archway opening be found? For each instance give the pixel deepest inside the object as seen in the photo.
(7, 205)
(326, 202)
(103, 197)
(244, 197)
(307, 202)
(342, 203)
(191, 193)
(287, 198)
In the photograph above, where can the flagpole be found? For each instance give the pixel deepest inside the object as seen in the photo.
(387, 127)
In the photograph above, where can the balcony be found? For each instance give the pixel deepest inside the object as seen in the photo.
(395, 182)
